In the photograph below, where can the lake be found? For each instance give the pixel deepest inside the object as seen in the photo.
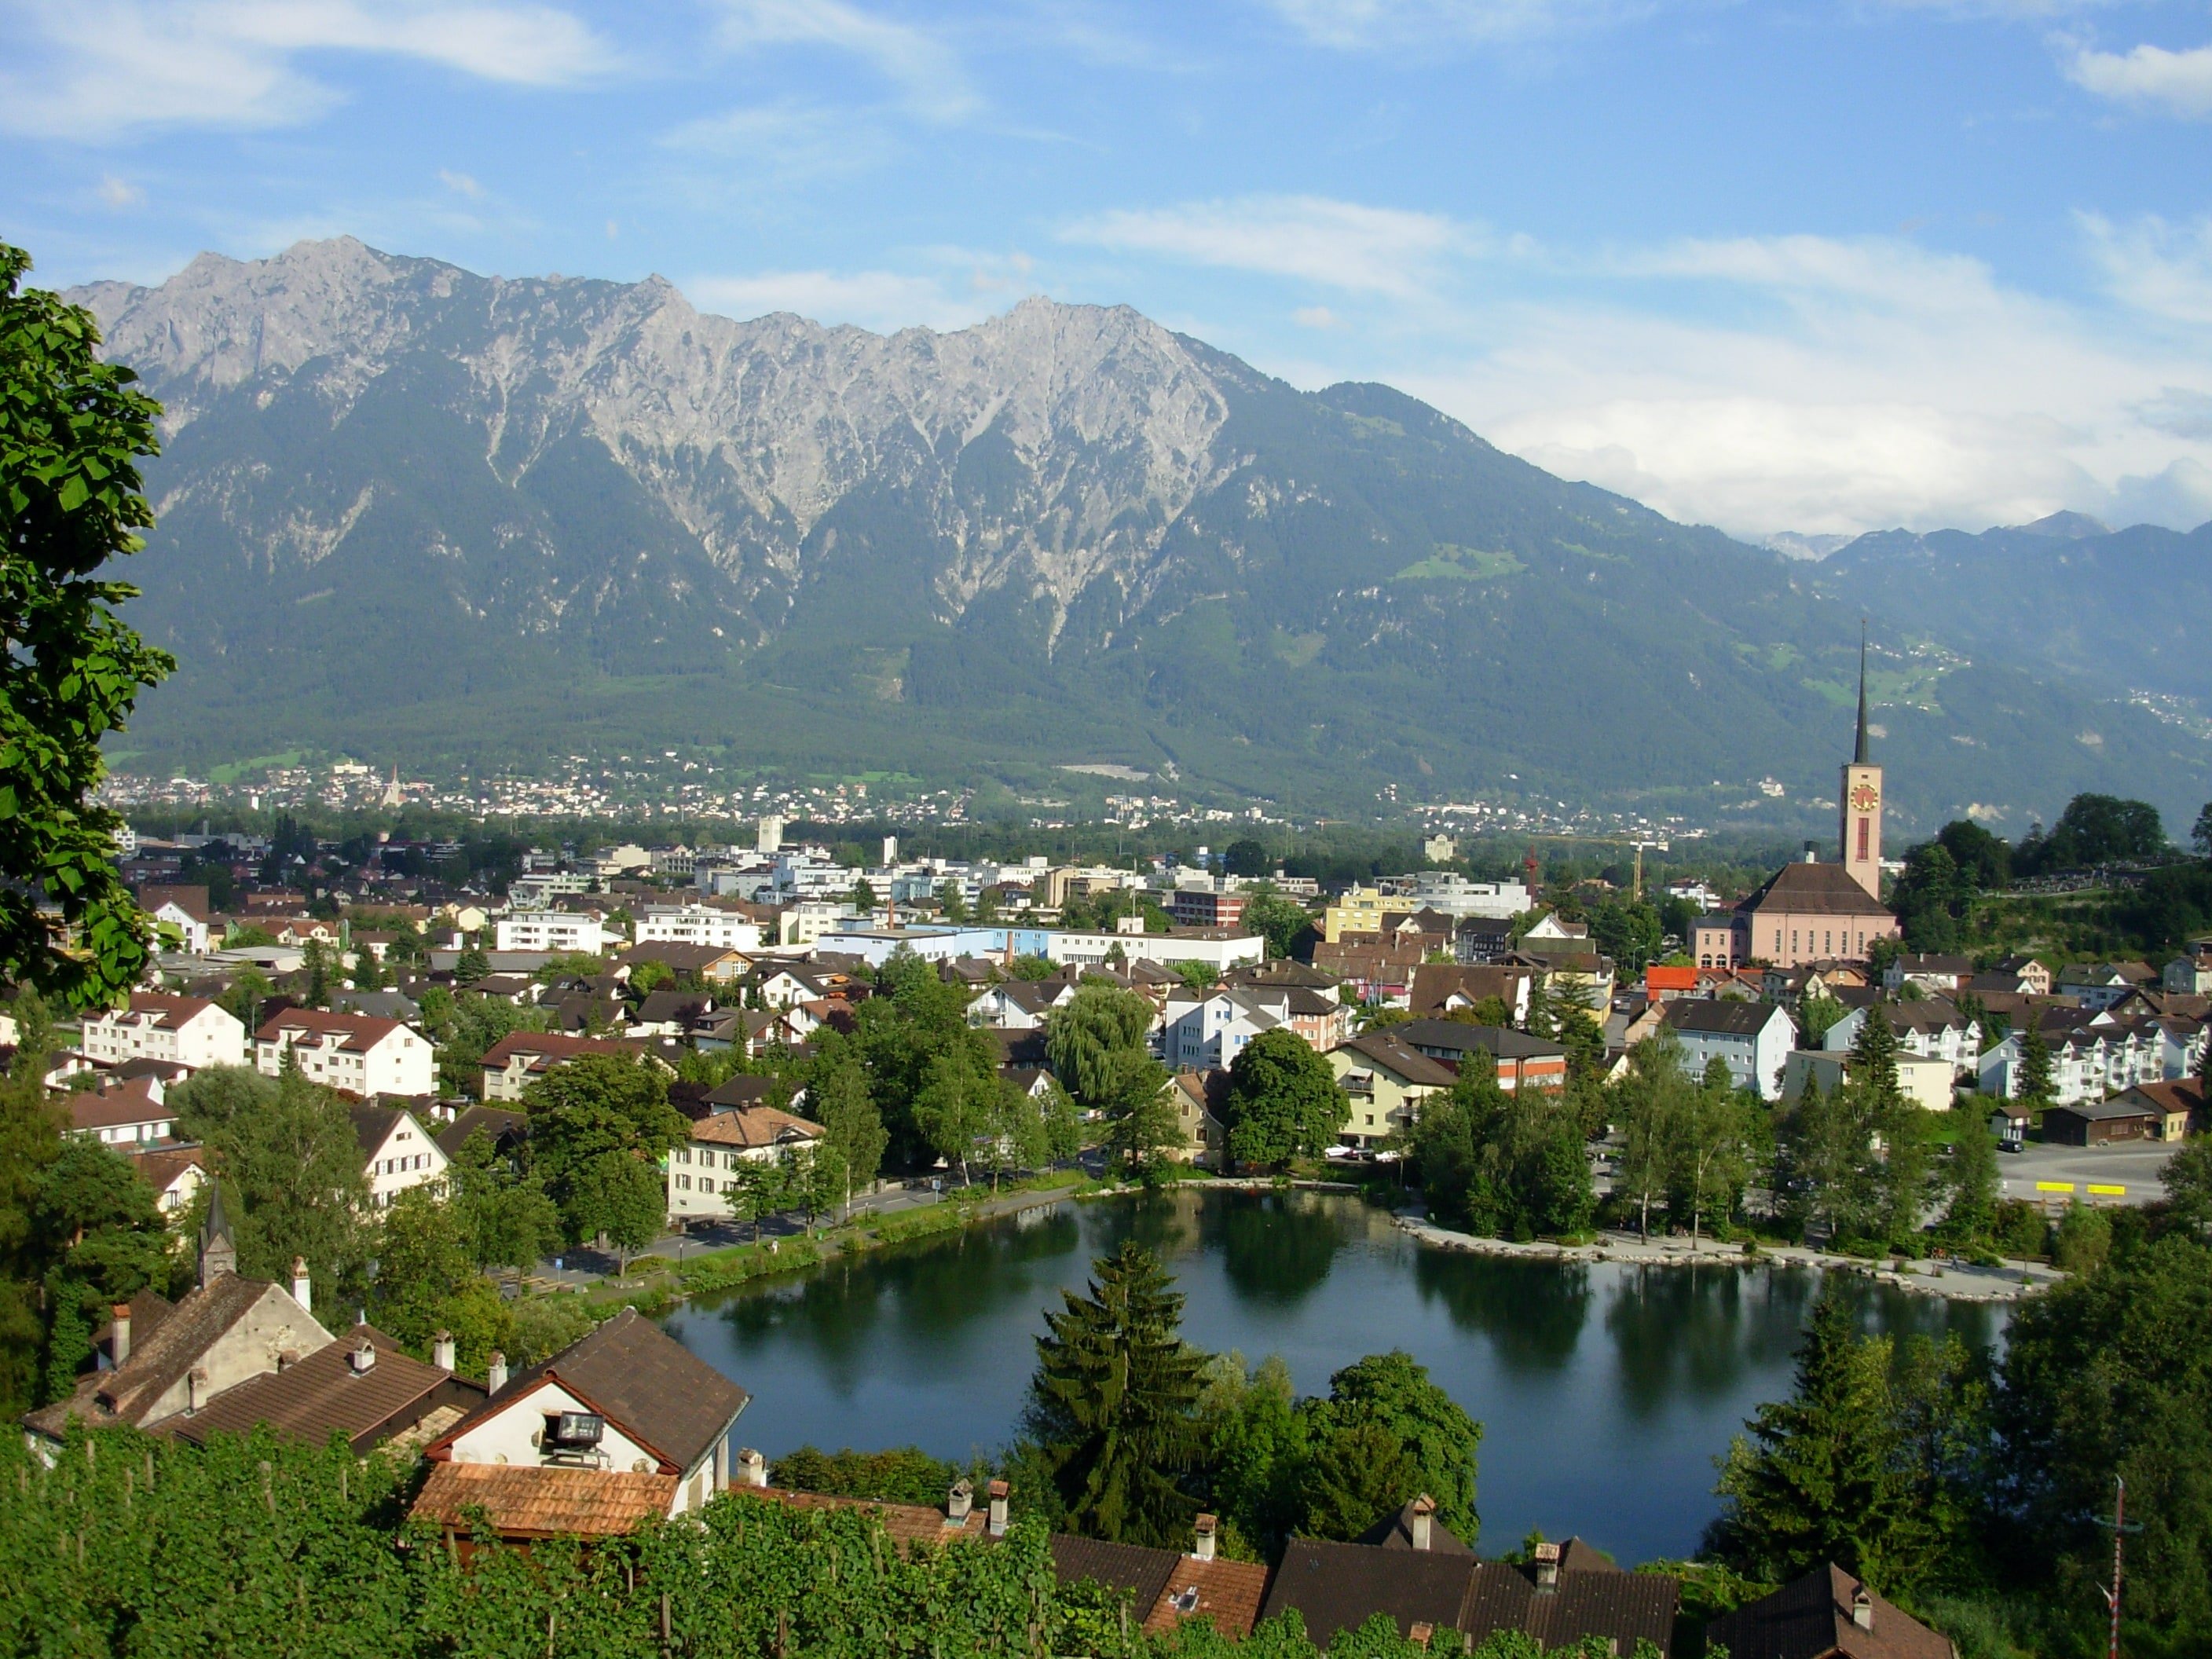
(1605, 1391)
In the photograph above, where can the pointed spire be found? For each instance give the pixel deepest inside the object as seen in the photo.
(218, 1247)
(1860, 756)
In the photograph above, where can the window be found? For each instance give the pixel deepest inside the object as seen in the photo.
(1865, 826)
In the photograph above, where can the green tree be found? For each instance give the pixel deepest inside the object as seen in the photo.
(1715, 1137)
(1276, 918)
(1112, 1404)
(505, 1218)
(1646, 1103)
(1097, 1045)
(72, 433)
(1818, 1477)
(471, 965)
(1815, 1015)
(1500, 1164)
(1392, 1392)
(951, 900)
(847, 1114)
(1282, 1100)
(862, 897)
(316, 964)
(1355, 1474)
(954, 1108)
(245, 996)
(99, 1218)
(426, 1282)
(293, 1177)
(586, 1119)
(2188, 1179)
(2038, 1086)
(758, 1190)
(1246, 857)
(1971, 1182)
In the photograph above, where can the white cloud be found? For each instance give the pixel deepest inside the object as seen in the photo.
(460, 184)
(1343, 245)
(1380, 24)
(2180, 82)
(785, 143)
(933, 81)
(884, 300)
(101, 69)
(120, 193)
(2161, 270)
(1314, 316)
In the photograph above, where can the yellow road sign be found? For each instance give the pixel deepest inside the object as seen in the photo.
(2054, 1186)
(2107, 1192)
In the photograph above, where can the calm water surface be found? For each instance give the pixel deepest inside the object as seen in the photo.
(1605, 1391)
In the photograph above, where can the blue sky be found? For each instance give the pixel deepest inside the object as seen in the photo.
(1817, 265)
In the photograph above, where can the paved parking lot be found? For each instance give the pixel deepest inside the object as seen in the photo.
(2133, 1166)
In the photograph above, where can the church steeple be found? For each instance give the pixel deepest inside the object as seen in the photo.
(218, 1249)
(1859, 757)
(1860, 840)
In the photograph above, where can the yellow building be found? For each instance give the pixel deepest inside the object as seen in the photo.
(1363, 910)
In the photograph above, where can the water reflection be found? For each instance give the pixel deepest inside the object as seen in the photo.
(1605, 1390)
(1532, 1312)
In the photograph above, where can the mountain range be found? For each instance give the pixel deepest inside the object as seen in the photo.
(414, 514)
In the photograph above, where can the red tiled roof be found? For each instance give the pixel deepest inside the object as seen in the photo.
(908, 1523)
(113, 1108)
(552, 1047)
(529, 1501)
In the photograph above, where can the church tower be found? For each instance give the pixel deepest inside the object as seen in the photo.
(1862, 800)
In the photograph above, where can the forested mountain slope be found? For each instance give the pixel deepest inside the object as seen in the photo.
(419, 514)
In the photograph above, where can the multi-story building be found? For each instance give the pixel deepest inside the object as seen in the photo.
(698, 924)
(563, 933)
(397, 1151)
(357, 1053)
(189, 1031)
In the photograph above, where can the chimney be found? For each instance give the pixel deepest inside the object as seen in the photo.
(362, 1360)
(1862, 1608)
(1422, 1633)
(1812, 853)
(441, 1350)
(119, 1347)
(958, 1503)
(1548, 1565)
(1422, 1521)
(752, 1468)
(196, 1381)
(1205, 1525)
(996, 1526)
(303, 1289)
(496, 1372)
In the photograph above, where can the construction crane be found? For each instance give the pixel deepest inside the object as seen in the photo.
(1529, 863)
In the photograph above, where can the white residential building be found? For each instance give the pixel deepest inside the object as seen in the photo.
(1932, 1027)
(357, 1053)
(397, 1151)
(128, 1117)
(698, 924)
(1754, 1039)
(564, 932)
(189, 1031)
(1211, 1029)
(701, 1182)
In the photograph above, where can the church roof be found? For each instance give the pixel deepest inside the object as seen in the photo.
(1824, 890)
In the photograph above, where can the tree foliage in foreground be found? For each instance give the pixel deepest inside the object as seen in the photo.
(72, 433)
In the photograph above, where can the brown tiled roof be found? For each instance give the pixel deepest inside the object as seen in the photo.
(1434, 982)
(158, 1166)
(113, 1108)
(323, 1394)
(1230, 1593)
(1590, 1601)
(550, 1046)
(656, 1390)
(1825, 890)
(159, 1358)
(1811, 1617)
(498, 1124)
(1400, 1059)
(910, 1523)
(169, 1012)
(359, 1032)
(1395, 1531)
(1338, 1587)
(1141, 1573)
(536, 1501)
(2185, 1094)
(747, 1127)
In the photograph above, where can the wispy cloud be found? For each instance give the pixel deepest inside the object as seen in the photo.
(880, 300)
(2150, 78)
(1372, 25)
(2160, 269)
(97, 70)
(1313, 239)
(785, 143)
(120, 193)
(933, 82)
(460, 184)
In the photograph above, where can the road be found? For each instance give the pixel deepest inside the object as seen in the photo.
(2133, 1166)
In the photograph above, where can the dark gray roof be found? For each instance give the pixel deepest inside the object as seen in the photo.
(1143, 1573)
(1811, 1617)
(1825, 890)
(1453, 1037)
(656, 1390)
(1721, 1017)
(1395, 1531)
(1339, 1587)
(503, 1127)
(1592, 1599)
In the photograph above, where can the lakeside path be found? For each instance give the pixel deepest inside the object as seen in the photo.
(1956, 1281)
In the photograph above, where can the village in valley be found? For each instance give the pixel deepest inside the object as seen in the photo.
(616, 1077)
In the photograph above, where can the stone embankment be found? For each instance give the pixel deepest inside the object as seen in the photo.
(1957, 1281)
